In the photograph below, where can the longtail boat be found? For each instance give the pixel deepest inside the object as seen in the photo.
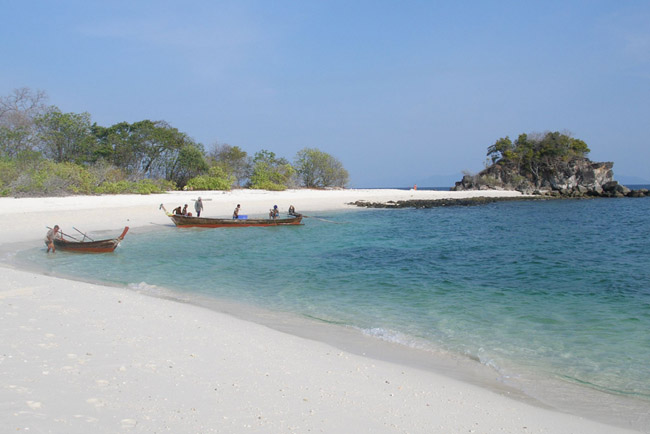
(99, 246)
(182, 221)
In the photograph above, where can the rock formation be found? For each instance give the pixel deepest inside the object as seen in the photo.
(575, 178)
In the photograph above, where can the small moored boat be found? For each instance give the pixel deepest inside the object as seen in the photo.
(99, 246)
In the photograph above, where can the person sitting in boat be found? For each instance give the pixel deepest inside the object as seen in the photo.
(235, 213)
(49, 238)
(273, 213)
(185, 213)
(292, 210)
(178, 211)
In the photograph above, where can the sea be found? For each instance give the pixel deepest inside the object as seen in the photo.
(548, 301)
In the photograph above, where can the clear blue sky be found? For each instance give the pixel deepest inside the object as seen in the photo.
(399, 91)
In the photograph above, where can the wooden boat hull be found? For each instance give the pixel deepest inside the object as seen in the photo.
(204, 222)
(100, 246)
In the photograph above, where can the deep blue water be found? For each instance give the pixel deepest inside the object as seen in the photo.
(557, 288)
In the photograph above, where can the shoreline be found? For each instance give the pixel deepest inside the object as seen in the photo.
(341, 336)
(507, 380)
(362, 393)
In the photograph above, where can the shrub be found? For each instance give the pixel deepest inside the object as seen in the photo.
(106, 172)
(216, 179)
(8, 172)
(46, 178)
(38, 177)
(143, 186)
(72, 177)
(152, 186)
(268, 185)
(114, 187)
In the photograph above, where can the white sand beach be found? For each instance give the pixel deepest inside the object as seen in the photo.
(84, 358)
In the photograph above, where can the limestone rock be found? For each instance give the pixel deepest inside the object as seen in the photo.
(575, 178)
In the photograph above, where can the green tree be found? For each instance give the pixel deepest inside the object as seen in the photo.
(233, 160)
(65, 137)
(535, 154)
(189, 163)
(500, 149)
(319, 169)
(270, 172)
(149, 149)
(155, 146)
(13, 141)
(110, 141)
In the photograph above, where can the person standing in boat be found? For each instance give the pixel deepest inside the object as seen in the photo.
(235, 213)
(198, 207)
(49, 238)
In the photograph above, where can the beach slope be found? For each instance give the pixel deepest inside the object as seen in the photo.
(79, 357)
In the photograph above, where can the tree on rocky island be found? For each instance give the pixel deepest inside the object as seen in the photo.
(548, 163)
(534, 154)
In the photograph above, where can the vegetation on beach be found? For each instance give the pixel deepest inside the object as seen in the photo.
(319, 169)
(44, 151)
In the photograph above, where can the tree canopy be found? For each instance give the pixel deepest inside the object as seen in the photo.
(319, 169)
(232, 160)
(64, 137)
(270, 172)
(35, 137)
(534, 153)
(546, 146)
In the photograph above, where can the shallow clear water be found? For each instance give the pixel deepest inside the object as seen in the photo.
(556, 288)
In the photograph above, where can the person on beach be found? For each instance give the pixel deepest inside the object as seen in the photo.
(198, 207)
(49, 238)
(235, 213)
(273, 213)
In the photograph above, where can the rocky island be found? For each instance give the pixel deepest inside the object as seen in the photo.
(550, 164)
(540, 166)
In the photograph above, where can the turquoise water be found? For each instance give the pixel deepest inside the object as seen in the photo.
(555, 289)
